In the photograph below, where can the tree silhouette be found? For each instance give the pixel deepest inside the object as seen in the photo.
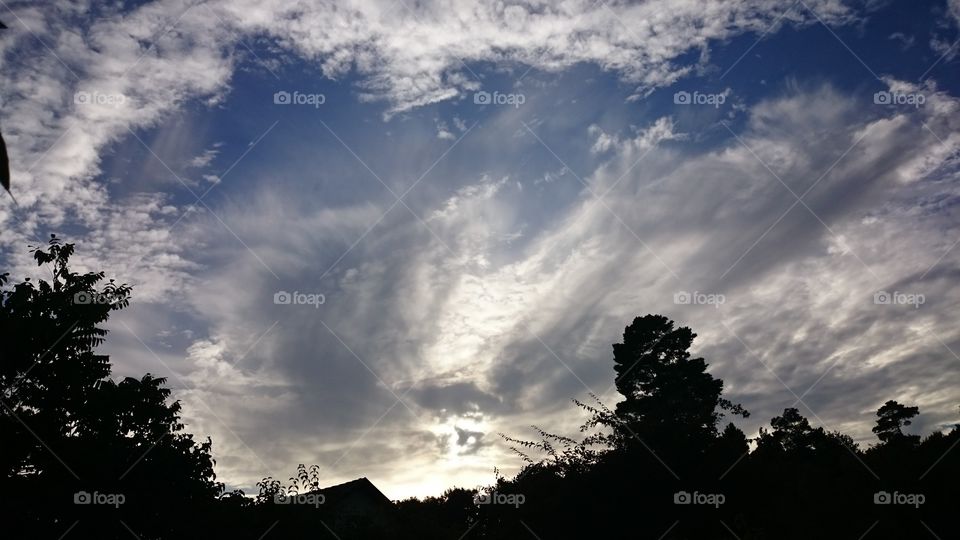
(663, 438)
(50, 371)
(891, 418)
(669, 395)
(663, 441)
(70, 430)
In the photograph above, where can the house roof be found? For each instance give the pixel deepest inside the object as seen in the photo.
(354, 492)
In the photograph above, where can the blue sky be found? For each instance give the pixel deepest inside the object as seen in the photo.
(527, 233)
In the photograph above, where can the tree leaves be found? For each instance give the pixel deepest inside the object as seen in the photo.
(68, 428)
(4, 166)
(4, 160)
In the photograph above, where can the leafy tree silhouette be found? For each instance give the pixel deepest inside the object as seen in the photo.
(663, 441)
(891, 418)
(669, 395)
(73, 437)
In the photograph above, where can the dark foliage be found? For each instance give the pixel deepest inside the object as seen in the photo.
(4, 165)
(69, 431)
(660, 464)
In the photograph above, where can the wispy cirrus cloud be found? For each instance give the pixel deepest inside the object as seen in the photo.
(490, 295)
(457, 333)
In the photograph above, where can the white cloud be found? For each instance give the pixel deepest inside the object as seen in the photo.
(460, 308)
(456, 316)
(444, 133)
(660, 130)
(419, 55)
(207, 157)
(129, 69)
